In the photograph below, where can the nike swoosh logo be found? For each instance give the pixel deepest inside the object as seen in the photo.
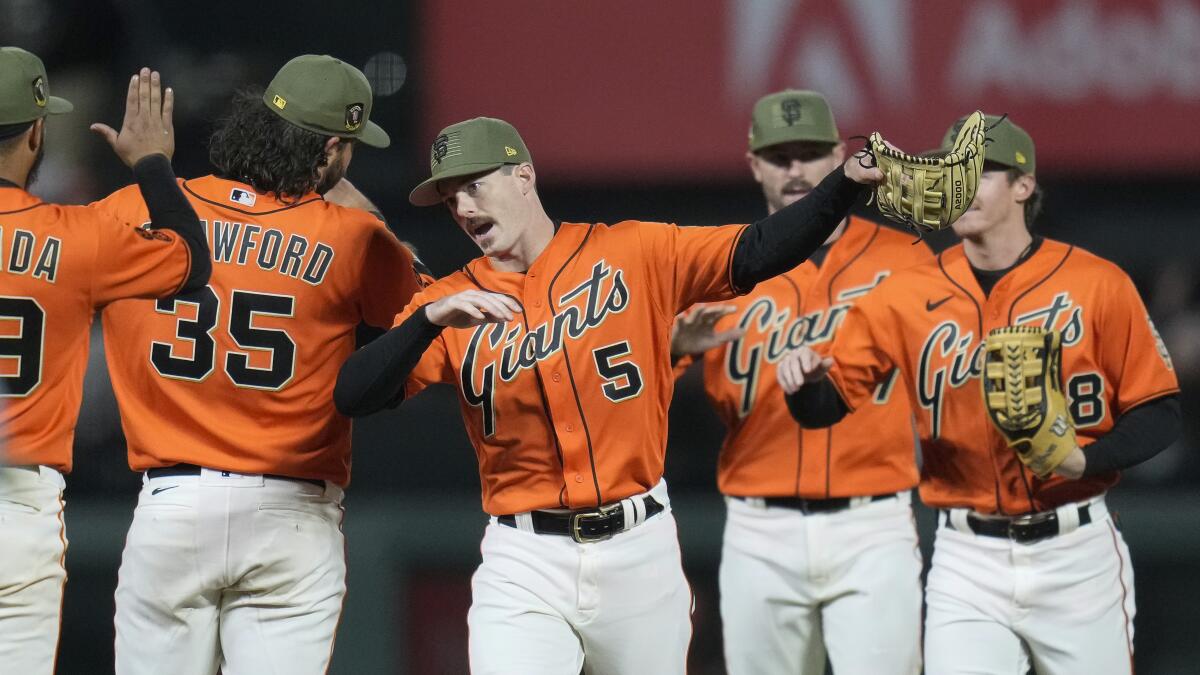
(162, 489)
(931, 305)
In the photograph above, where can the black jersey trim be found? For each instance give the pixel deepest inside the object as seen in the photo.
(541, 385)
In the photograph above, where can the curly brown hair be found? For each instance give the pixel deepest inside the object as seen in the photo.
(256, 146)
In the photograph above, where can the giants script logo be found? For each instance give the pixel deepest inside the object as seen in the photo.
(950, 356)
(771, 334)
(590, 303)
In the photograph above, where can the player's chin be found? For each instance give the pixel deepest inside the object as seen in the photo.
(968, 224)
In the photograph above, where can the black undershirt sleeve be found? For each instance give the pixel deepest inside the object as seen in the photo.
(1138, 435)
(373, 377)
(789, 236)
(817, 405)
(170, 210)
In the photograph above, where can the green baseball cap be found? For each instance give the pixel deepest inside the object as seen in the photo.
(24, 91)
(326, 96)
(1007, 144)
(475, 146)
(791, 115)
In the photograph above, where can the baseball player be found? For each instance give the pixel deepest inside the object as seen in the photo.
(558, 340)
(820, 553)
(235, 557)
(1025, 569)
(59, 264)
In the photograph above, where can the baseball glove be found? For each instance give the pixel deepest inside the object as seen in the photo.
(1022, 391)
(929, 193)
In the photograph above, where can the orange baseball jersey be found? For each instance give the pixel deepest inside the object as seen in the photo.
(566, 405)
(929, 320)
(61, 263)
(239, 376)
(766, 453)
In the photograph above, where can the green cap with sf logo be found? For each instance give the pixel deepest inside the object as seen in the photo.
(791, 115)
(24, 91)
(475, 146)
(326, 96)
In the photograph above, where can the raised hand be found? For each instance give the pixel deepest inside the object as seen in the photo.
(471, 308)
(800, 367)
(147, 128)
(860, 168)
(694, 334)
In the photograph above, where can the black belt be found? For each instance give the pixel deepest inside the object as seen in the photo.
(807, 506)
(585, 525)
(1024, 529)
(193, 470)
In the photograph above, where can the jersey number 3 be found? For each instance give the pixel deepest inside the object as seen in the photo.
(244, 307)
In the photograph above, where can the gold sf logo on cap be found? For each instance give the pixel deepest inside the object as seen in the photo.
(39, 92)
(354, 116)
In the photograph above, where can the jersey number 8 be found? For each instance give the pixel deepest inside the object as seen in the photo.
(244, 307)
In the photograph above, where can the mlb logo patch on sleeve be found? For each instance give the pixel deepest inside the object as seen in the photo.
(243, 197)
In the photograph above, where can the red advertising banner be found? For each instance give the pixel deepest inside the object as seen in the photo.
(662, 89)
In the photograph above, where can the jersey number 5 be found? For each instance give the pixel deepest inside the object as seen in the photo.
(21, 346)
(624, 378)
(244, 307)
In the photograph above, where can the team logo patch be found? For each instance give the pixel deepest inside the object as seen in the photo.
(354, 116)
(1020, 157)
(511, 152)
(243, 197)
(39, 92)
(790, 111)
(279, 101)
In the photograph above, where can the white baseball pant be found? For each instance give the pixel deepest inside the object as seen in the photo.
(235, 571)
(543, 604)
(32, 575)
(795, 587)
(1065, 602)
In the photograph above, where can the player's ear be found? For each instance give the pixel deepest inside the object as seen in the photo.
(839, 153)
(37, 134)
(1023, 187)
(752, 161)
(526, 177)
(331, 146)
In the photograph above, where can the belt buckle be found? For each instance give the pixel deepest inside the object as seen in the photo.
(600, 513)
(1027, 521)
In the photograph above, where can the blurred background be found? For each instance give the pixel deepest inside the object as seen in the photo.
(638, 109)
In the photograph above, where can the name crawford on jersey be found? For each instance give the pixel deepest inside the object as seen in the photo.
(269, 248)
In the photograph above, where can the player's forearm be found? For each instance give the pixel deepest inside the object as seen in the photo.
(789, 236)
(1138, 435)
(170, 210)
(817, 405)
(373, 377)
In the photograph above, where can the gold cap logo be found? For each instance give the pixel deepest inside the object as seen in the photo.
(279, 102)
(511, 152)
(1020, 157)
